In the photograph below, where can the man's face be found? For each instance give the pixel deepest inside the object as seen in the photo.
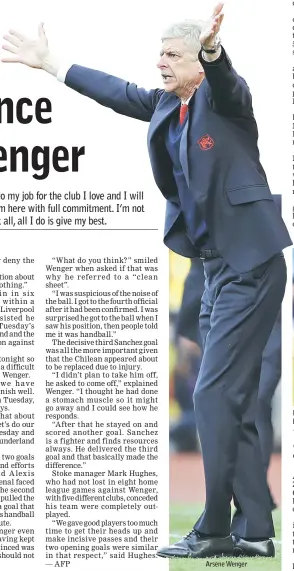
(181, 72)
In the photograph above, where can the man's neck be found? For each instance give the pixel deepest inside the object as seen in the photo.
(185, 101)
(185, 97)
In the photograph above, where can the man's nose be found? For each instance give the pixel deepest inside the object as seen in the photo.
(161, 63)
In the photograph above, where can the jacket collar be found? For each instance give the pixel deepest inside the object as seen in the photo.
(166, 106)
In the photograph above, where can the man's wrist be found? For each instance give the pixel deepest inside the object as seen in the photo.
(50, 64)
(212, 46)
(210, 57)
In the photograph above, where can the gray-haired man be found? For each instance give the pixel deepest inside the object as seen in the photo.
(202, 143)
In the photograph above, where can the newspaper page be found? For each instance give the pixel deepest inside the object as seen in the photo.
(100, 462)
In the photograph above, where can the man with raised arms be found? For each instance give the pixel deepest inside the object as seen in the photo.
(202, 143)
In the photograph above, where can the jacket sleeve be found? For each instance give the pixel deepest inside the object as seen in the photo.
(278, 201)
(123, 97)
(228, 92)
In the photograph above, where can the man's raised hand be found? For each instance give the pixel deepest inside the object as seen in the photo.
(212, 26)
(24, 50)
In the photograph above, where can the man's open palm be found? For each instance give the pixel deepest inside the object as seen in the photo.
(24, 50)
(212, 26)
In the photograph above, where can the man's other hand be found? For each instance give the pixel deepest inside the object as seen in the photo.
(29, 52)
(211, 28)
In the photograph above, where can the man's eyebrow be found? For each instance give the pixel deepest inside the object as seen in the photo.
(169, 50)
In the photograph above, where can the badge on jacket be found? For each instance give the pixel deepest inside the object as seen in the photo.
(205, 143)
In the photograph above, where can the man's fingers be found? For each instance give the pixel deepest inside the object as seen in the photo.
(12, 39)
(10, 48)
(219, 18)
(41, 30)
(213, 25)
(18, 35)
(216, 24)
(10, 60)
(219, 21)
(218, 8)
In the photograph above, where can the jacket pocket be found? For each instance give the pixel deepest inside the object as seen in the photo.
(250, 193)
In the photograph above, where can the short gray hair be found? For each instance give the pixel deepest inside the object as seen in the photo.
(188, 30)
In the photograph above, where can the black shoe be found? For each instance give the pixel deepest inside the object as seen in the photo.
(245, 548)
(193, 545)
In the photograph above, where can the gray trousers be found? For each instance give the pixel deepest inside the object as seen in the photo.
(238, 312)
